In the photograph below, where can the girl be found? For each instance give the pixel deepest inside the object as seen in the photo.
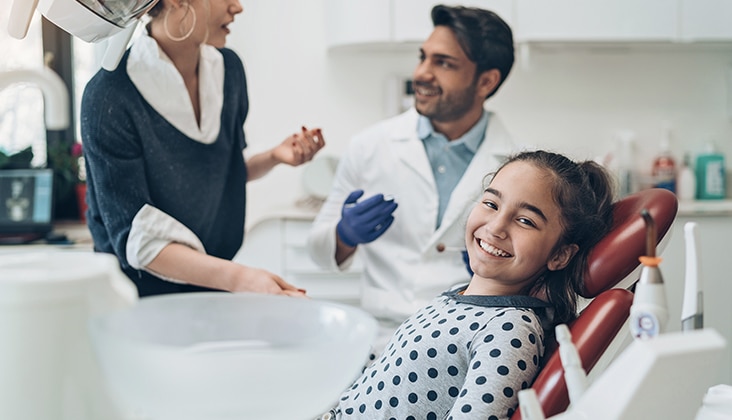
(467, 354)
(163, 140)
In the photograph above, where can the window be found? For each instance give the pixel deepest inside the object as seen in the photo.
(87, 61)
(22, 122)
(21, 105)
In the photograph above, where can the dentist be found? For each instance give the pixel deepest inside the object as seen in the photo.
(163, 143)
(404, 187)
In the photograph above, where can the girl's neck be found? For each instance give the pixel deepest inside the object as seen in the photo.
(485, 287)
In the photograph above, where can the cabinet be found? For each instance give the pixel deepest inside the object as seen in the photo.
(595, 20)
(279, 244)
(714, 228)
(706, 20)
(413, 22)
(355, 22)
(380, 24)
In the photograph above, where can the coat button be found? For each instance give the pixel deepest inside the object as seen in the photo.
(440, 247)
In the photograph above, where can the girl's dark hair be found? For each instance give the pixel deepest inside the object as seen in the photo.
(584, 194)
(484, 37)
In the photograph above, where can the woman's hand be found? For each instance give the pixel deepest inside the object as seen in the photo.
(184, 264)
(250, 279)
(299, 147)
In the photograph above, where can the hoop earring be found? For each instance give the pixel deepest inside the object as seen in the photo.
(187, 34)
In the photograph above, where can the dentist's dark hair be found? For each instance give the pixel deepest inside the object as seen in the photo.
(584, 193)
(485, 38)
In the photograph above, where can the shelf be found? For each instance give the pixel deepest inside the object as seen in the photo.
(705, 208)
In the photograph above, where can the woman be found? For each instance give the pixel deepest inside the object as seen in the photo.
(163, 140)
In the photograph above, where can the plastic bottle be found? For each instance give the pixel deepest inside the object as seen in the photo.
(710, 174)
(686, 181)
(664, 166)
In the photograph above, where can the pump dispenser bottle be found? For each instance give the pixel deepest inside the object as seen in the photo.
(686, 181)
(664, 166)
(710, 174)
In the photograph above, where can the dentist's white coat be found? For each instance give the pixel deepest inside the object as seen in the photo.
(403, 269)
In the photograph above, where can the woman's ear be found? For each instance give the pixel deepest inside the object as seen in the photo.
(174, 4)
(562, 257)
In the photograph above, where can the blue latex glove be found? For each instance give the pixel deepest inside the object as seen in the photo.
(466, 260)
(363, 222)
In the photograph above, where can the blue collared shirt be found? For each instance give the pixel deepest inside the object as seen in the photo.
(449, 159)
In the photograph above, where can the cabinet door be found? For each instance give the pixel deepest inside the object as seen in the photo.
(262, 246)
(596, 20)
(352, 22)
(413, 22)
(706, 20)
(715, 264)
(300, 270)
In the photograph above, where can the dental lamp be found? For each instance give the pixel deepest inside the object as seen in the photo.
(90, 20)
(55, 95)
(692, 311)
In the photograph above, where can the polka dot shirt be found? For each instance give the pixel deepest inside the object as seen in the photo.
(461, 357)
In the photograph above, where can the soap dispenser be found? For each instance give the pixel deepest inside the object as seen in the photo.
(710, 174)
(686, 181)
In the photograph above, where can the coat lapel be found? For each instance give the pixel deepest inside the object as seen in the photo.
(410, 150)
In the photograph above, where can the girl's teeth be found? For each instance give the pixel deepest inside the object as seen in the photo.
(493, 250)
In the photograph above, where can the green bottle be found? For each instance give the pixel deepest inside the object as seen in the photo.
(710, 175)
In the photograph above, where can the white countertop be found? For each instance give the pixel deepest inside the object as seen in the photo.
(705, 208)
(304, 209)
(76, 232)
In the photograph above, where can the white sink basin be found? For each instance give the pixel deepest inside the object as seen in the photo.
(230, 356)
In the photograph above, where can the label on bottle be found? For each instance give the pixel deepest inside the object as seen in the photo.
(710, 177)
(715, 178)
(664, 173)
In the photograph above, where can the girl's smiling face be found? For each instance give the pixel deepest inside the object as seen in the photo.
(512, 234)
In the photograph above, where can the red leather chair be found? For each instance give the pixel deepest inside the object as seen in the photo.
(612, 260)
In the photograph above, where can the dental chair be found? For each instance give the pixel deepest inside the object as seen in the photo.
(613, 265)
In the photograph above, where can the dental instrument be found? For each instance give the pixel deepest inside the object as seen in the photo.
(649, 312)
(529, 405)
(692, 311)
(574, 375)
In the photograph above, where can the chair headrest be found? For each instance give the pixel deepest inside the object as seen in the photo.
(616, 255)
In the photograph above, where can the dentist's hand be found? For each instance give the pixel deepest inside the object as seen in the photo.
(363, 222)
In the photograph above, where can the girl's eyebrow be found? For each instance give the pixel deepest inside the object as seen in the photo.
(524, 205)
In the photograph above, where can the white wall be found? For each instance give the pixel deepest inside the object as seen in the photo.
(570, 99)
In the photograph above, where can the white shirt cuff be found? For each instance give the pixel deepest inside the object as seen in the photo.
(151, 231)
